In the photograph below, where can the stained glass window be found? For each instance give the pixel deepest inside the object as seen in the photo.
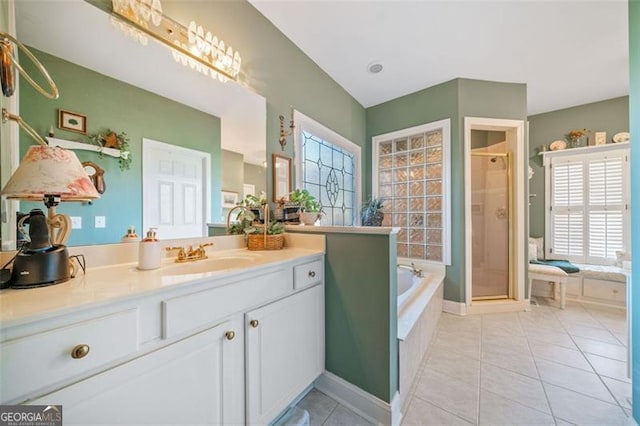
(328, 173)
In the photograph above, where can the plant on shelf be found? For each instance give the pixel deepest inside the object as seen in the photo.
(110, 139)
(371, 213)
(244, 220)
(255, 204)
(311, 209)
(575, 137)
(251, 201)
(306, 201)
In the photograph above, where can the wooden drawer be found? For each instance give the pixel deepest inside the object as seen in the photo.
(605, 290)
(308, 274)
(40, 360)
(204, 308)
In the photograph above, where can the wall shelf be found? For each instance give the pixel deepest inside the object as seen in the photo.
(583, 150)
(62, 143)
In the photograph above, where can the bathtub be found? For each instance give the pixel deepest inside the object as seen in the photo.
(419, 306)
(407, 285)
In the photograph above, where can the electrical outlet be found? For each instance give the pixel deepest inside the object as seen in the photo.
(100, 221)
(76, 222)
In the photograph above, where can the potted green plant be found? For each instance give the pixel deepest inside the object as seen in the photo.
(310, 208)
(271, 238)
(110, 139)
(371, 213)
(255, 204)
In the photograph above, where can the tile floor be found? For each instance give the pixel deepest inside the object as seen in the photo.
(547, 366)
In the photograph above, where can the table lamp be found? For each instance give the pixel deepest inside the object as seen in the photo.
(51, 174)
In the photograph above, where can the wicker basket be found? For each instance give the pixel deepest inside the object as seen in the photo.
(258, 242)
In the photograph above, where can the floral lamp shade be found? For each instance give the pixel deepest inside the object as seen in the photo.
(46, 170)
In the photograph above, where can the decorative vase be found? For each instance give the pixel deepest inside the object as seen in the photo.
(309, 218)
(578, 142)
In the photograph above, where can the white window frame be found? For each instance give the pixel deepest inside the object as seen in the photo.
(445, 125)
(584, 154)
(304, 123)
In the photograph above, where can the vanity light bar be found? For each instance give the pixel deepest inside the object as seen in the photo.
(193, 46)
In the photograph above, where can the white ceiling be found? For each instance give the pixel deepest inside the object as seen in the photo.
(567, 52)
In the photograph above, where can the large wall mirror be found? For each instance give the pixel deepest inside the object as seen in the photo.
(126, 84)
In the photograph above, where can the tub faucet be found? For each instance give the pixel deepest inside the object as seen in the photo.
(415, 271)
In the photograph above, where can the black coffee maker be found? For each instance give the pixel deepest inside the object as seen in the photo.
(39, 263)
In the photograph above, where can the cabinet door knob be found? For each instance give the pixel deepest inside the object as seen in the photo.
(230, 334)
(254, 323)
(312, 274)
(80, 351)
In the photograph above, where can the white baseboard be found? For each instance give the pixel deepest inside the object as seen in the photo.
(451, 307)
(363, 403)
(498, 306)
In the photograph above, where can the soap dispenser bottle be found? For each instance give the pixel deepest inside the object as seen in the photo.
(149, 254)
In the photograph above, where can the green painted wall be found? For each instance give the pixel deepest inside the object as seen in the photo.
(109, 103)
(454, 99)
(485, 138)
(431, 104)
(361, 318)
(611, 116)
(232, 172)
(256, 175)
(276, 69)
(634, 119)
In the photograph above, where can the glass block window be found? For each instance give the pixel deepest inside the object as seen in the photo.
(411, 175)
(328, 173)
(328, 167)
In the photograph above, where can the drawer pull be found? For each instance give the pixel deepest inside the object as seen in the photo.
(254, 323)
(312, 274)
(80, 351)
(230, 334)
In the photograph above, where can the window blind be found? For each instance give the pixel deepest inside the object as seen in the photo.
(588, 213)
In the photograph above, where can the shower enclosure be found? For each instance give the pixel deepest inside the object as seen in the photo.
(491, 219)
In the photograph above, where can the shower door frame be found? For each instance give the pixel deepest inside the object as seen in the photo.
(515, 130)
(510, 247)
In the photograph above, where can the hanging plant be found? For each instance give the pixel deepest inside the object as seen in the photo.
(110, 139)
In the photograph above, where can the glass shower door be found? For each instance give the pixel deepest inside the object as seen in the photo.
(490, 223)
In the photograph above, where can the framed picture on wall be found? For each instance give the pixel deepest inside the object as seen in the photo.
(72, 121)
(229, 199)
(281, 176)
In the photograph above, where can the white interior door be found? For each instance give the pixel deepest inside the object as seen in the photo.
(175, 190)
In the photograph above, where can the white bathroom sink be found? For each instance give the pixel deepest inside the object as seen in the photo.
(213, 264)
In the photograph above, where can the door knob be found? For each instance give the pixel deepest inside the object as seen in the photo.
(312, 274)
(230, 334)
(254, 323)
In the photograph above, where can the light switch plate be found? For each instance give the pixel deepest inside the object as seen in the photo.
(76, 222)
(100, 221)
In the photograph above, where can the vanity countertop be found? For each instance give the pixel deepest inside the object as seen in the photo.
(106, 284)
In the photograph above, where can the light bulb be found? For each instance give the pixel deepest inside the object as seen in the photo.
(191, 32)
(145, 9)
(156, 13)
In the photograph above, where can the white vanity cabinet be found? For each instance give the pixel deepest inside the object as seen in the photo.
(285, 352)
(196, 380)
(232, 349)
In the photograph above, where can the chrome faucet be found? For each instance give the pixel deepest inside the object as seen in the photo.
(415, 271)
